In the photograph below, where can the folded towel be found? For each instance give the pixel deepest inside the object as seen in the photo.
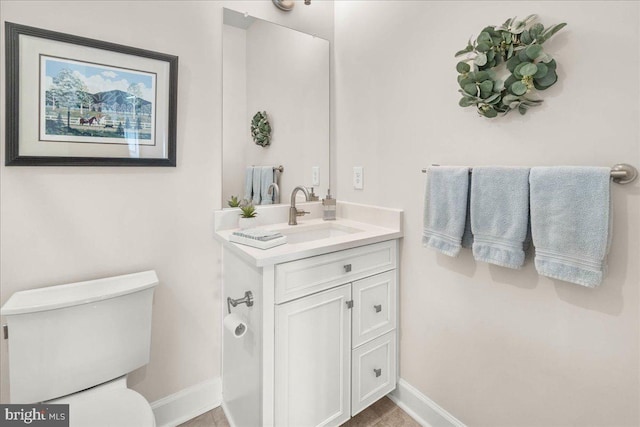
(266, 180)
(570, 222)
(500, 214)
(248, 184)
(445, 208)
(257, 176)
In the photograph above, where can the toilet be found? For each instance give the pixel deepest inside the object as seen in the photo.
(74, 344)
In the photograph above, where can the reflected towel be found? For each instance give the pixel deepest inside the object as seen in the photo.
(248, 184)
(257, 177)
(571, 222)
(445, 208)
(266, 179)
(500, 214)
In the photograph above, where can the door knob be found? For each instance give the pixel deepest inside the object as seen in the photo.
(378, 372)
(378, 308)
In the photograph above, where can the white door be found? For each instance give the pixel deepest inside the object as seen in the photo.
(313, 360)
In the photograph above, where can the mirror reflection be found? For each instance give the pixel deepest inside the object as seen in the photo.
(275, 111)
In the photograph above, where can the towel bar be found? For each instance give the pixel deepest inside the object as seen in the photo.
(621, 173)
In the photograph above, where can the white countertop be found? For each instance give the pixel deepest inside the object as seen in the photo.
(375, 225)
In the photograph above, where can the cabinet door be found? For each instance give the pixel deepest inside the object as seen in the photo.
(374, 307)
(312, 360)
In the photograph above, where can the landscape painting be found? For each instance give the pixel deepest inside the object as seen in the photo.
(89, 103)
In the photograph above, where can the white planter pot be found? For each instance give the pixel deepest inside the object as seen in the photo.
(244, 223)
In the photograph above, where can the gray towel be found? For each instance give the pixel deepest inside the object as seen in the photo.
(257, 176)
(266, 180)
(570, 222)
(500, 214)
(445, 208)
(248, 184)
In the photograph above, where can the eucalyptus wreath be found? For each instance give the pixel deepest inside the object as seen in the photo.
(261, 129)
(518, 44)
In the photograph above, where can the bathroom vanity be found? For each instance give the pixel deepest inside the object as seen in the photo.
(321, 340)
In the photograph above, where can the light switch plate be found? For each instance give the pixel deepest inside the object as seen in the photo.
(358, 177)
(315, 176)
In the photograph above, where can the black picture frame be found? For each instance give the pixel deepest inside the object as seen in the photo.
(162, 129)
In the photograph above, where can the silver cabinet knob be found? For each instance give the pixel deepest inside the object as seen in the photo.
(378, 372)
(347, 268)
(378, 308)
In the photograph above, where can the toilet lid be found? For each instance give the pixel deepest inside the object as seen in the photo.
(109, 408)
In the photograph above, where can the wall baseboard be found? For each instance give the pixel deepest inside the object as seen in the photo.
(188, 403)
(422, 409)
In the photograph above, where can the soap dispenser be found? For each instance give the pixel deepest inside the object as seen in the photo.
(329, 206)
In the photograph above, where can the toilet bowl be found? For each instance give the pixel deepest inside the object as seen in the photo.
(74, 344)
(108, 405)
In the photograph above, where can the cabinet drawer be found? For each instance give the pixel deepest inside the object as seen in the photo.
(306, 276)
(373, 371)
(374, 307)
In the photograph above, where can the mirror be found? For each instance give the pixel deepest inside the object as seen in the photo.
(285, 73)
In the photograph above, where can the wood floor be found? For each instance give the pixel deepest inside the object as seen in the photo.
(383, 413)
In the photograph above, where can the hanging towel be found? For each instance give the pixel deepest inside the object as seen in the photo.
(500, 214)
(266, 179)
(570, 222)
(248, 184)
(445, 208)
(257, 176)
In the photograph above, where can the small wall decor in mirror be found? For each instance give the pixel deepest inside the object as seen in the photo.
(284, 75)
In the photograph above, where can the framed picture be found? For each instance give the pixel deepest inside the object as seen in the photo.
(74, 101)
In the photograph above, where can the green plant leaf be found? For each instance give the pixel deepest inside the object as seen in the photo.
(480, 60)
(533, 51)
(489, 113)
(513, 62)
(463, 67)
(542, 70)
(467, 101)
(471, 89)
(551, 31)
(547, 81)
(528, 69)
(482, 76)
(525, 37)
(518, 88)
(535, 30)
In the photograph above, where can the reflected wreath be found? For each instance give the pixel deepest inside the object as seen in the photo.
(518, 45)
(261, 129)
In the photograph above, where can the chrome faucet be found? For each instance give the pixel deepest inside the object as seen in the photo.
(293, 211)
(275, 190)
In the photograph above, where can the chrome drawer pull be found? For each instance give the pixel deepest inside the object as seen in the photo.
(349, 304)
(347, 268)
(378, 372)
(378, 308)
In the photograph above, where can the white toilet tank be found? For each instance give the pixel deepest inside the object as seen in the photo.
(67, 338)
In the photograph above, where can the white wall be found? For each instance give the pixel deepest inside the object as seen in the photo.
(493, 346)
(62, 224)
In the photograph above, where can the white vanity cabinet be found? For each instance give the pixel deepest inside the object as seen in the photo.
(321, 337)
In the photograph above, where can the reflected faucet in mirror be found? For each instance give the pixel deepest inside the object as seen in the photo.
(274, 192)
(294, 212)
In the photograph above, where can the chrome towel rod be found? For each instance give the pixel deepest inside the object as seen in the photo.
(621, 173)
(275, 168)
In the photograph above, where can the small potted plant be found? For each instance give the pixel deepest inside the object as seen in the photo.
(233, 202)
(248, 217)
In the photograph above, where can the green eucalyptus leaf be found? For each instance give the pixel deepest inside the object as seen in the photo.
(522, 109)
(510, 80)
(533, 51)
(536, 29)
(463, 67)
(516, 71)
(480, 60)
(491, 55)
(483, 47)
(482, 76)
(486, 87)
(528, 69)
(484, 37)
(510, 51)
(523, 56)
(466, 101)
(471, 89)
(547, 81)
(518, 88)
(551, 31)
(512, 63)
(525, 37)
(490, 113)
(498, 85)
(508, 99)
(542, 70)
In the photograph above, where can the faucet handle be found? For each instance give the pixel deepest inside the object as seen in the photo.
(300, 212)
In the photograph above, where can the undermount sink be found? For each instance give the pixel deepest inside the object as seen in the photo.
(307, 233)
